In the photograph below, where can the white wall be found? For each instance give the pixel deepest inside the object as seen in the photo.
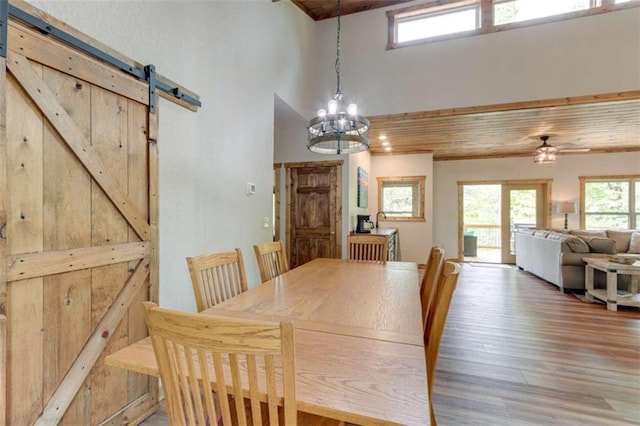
(565, 186)
(584, 56)
(235, 55)
(416, 238)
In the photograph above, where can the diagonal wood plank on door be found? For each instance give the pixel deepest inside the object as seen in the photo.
(45, 50)
(57, 116)
(58, 404)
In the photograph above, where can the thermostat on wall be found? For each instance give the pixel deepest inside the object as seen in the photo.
(251, 188)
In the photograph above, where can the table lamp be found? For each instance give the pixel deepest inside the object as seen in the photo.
(566, 207)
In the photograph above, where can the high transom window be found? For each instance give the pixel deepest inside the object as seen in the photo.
(507, 11)
(444, 19)
(416, 26)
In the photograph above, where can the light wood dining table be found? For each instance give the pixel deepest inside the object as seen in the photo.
(358, 338)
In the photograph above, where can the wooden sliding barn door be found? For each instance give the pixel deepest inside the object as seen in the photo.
(78, 240)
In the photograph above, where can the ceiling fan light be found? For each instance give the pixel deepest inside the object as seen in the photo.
(545, 154)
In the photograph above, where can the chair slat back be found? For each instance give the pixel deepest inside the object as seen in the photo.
(272, 259)
(433, 333)
(430, 281)
(370, 247)
(217, 277)
(252, 360)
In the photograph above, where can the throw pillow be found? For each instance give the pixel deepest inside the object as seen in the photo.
(602, 245)
(622, 238)
(634, 245)
(577, 245)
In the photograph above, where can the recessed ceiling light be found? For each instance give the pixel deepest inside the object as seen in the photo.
(388, 148)
(385, 143)
(382, 137)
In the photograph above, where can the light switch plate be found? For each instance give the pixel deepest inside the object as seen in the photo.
(265, 222)
(251, 188)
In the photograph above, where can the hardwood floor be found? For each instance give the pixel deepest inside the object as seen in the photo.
(516, 351)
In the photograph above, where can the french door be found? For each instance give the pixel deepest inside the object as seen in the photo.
(492, 211)
(523, 206)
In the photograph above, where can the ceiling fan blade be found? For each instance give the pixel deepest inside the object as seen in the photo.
(570, 147)
(564, 146)
(575, 150)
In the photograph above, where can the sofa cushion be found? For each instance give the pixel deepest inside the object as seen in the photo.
(602, 245)
(588, 234)
(569, 242)
(623, 238)
(634, 243)
(552, 235)
(577, 245)
(527, 231)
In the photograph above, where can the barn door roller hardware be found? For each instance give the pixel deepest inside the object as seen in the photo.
(147, 74)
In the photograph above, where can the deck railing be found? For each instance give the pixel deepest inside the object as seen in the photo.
(488, 235)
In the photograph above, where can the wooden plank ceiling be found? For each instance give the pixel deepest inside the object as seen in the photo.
(600, 123)
(509, 130)
(324, 9)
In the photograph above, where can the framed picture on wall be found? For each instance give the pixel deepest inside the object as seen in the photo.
(363, 188)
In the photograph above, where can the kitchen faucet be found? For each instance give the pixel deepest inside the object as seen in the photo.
(378, 214)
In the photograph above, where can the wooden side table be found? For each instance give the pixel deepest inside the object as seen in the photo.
(612, 269)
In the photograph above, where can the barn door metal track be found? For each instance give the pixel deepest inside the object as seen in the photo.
(147, 74)
(4, 23)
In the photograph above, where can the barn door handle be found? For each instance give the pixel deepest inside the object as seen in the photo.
(3, 231)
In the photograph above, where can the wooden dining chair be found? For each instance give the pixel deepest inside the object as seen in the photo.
(272, 259)
(430, 280)
(244, 362)
(217, 277)
(368, 247)
(433, 331)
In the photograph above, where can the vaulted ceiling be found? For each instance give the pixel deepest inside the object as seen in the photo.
(324, 9)
(600, 123)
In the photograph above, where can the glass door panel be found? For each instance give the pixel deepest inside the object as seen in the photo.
(481, 223)
(522, 207)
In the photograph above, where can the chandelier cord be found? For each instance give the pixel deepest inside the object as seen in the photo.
(338, 129)
(339, 12)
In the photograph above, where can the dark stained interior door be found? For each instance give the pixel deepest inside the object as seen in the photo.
(314, 209)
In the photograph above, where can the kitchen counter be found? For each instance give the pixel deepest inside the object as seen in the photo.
(392, 234)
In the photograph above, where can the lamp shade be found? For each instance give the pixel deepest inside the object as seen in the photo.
(566, 207)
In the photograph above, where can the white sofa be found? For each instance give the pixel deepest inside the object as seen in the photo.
(556, 256)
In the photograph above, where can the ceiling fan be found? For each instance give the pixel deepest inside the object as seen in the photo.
(546, 153)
